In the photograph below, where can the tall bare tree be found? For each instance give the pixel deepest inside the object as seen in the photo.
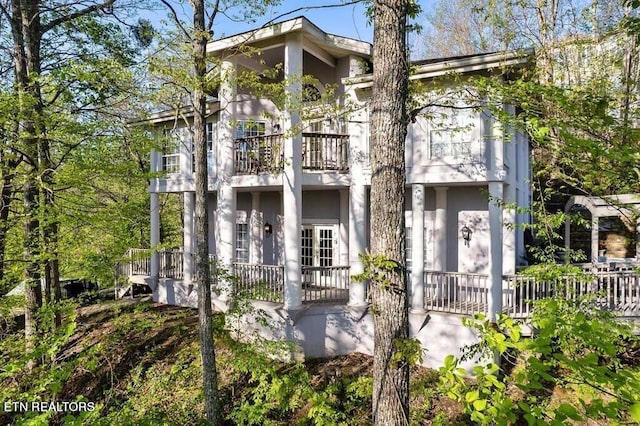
(388, 131)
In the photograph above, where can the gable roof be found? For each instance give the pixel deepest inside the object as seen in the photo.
(275, 33)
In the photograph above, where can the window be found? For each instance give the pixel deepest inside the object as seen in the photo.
(250, 128)
(242, 242)
(455, 138)
(171, 152)
(451, 142)
(209, 134)
(409, 247)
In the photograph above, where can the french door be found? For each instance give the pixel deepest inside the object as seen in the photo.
(319, 249)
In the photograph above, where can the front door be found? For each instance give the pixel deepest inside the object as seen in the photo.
(319, 250)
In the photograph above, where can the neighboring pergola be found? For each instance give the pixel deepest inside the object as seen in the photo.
(621, 206)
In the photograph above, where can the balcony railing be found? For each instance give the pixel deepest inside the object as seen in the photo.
(325, 284)
(259, 154)
(616, 291)
(321, 151)
(135, 262)
(170, 264)
(259, 282)
(265, 154)
(455, 292)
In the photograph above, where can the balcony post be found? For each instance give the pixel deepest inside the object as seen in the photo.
(187, 237)
(595, 237)
(226, 195)
(440, 256)
(344, 227)
(509, 231)
(357, 241)
(256, 230)
(417, 249)
(292, 176)
(155, 235)
(495, 251)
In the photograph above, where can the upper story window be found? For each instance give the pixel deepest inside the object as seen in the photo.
(171, 152)
(210, 135)
(455, 138)
(250, 128)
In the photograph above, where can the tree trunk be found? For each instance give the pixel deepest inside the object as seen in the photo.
(27, 34)
(6, 194)
(202, 275)
(388, 132)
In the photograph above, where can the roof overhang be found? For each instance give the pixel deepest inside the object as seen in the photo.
(174, 114)
(462, 65)
(274, 34)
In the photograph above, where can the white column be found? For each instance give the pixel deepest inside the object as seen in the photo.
(509, 259)
(357, 241)
(256, 227)
(226, 195)
(226, 218)
(155, 234)
(495, 251)
(567, 238)
(292, 176)
(595, 225)
(188, 236)
(417, 249)
(440, 225)
(344, 227)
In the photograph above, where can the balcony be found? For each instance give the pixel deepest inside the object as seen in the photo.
(265, 154)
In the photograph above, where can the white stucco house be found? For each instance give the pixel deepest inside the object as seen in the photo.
(289, 209)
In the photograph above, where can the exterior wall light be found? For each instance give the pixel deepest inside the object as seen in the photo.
(466, 234)
(268, 228)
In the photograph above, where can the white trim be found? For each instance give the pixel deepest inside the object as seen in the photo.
(320, 221)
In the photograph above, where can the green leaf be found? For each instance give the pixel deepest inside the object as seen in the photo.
(569, 411)
(634, 411)
(472, 396)
(480, 404)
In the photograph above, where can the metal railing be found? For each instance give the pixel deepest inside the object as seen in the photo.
(325, 284)
(259, 282)
(265, 154)
(455, 292)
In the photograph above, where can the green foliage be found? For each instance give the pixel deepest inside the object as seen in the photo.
(408, 351)
(575, 346)
(377, 269)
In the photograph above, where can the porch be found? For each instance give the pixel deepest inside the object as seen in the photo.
(612, 287)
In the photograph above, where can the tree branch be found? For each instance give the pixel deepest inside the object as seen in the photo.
(176, 19)
(82, 12)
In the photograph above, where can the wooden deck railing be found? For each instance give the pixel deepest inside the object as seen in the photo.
(134, 262)
(170, 264)
(265, 154)
(321, 151)
(259, 154)
(138, 262)
(259, 282)
(616, 291)
(325, 284)
(455, 292)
